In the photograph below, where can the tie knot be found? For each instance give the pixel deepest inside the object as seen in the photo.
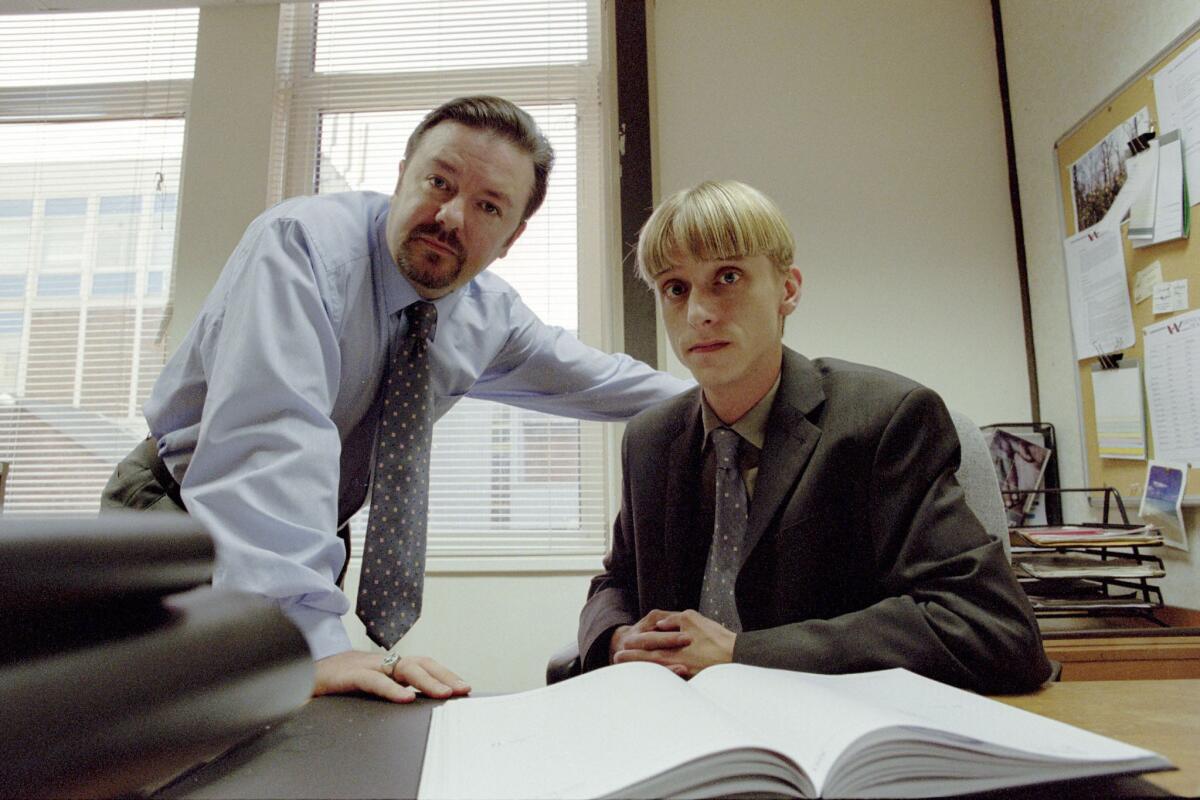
(422, 320)
(725, 445)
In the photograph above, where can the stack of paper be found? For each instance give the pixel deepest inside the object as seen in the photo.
(1078, 536)
(1161, 212)
(1075, 566)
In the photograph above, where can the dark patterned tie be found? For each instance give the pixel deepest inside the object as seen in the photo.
(717, 601)
(393, 571)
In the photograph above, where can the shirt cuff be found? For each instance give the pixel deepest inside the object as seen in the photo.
(324, 631)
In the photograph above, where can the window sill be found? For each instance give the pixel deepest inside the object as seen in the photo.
(556, 563)
(514, 564)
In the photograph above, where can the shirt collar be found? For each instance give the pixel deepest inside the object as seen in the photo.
(398, 293)
(752, 426)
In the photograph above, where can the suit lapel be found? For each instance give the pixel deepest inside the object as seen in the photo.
(790, 441)
(685, 546)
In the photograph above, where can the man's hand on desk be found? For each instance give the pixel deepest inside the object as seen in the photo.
(684, 641)
(356, 671)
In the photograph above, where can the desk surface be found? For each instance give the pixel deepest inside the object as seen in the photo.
(1163, 716)
(344, 747)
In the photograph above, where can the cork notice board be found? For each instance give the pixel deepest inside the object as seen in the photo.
(1179, 258)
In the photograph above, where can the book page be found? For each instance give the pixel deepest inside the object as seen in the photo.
(814, 718)
(807, 717)
(586, 737)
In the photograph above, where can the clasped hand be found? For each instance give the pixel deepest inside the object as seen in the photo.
(356, 671)
(683, 641)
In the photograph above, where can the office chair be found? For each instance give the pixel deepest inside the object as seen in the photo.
(976, 474)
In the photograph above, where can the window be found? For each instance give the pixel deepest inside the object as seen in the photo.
(356, 78)
(62, 229)
(91, 135)
(110, 284)
(16, 230)
(155, 283)
(51, 284)
(117, 231)
(12, 323)
(12, 287)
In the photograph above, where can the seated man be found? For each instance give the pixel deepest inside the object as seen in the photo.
(791, 513)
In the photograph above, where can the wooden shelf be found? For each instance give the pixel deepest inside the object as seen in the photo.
(1125, 648)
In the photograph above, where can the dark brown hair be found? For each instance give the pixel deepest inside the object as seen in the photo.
(510, 121)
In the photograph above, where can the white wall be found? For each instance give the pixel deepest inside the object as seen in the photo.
(877, 128)
(227, 148)
(496, 630)
(1064, 58)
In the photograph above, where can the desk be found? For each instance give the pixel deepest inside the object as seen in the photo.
(343, 747)
(1125, 648)
(1159, 715)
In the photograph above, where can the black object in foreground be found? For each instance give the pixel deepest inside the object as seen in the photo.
(113, 679)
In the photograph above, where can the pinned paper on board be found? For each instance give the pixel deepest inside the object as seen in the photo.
(1177, 97)
(1162, 502)
(1172, 377)
(1171, 297)
(1120, 419)
(1147, 278)
(1172, 211)
(1101, 314)
(1097, 177)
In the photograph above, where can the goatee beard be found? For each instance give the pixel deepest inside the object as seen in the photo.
(427, 269)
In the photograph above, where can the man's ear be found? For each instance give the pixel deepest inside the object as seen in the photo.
(791, 291)
(520, 229)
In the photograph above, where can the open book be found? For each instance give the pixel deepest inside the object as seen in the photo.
(636, 730)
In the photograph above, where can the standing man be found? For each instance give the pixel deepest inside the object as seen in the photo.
(791, 513)
(341, 316)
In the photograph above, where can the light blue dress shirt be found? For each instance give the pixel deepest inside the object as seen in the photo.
(265, 414)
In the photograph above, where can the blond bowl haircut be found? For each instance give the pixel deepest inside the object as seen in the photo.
(714, 220)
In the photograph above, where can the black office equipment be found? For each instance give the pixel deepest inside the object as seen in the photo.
(1079, 571)
(119, 669)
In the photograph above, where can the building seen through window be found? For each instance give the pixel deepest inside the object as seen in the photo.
(91, 137)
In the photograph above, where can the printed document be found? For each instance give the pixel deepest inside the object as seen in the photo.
(1177, 95)
(1101, 314)
(1172, 354)
(1120, 424)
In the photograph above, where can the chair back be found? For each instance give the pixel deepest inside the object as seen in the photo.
(977, 475)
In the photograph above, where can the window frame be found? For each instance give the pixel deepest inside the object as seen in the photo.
(48, 102)
(294, 171)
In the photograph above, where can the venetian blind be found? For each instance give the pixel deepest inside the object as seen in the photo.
(355, 79)
(91, 135)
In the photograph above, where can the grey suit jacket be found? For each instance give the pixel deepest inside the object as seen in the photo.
(862, 553)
